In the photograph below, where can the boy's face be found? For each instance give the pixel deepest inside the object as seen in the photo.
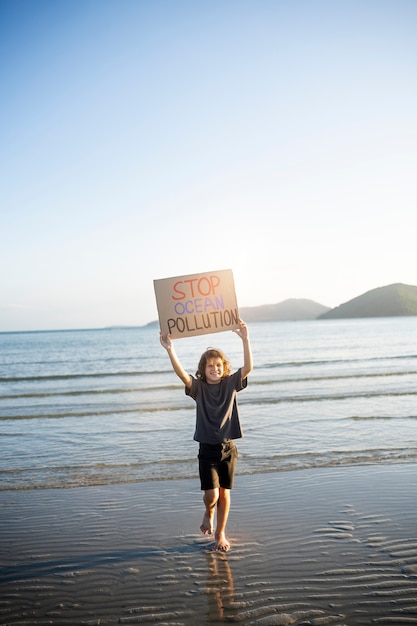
(214, 371)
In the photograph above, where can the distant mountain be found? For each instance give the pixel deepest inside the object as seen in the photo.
(293, 309)
(390, 301)
(153, 323)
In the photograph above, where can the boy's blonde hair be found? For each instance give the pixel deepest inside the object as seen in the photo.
(212, 353)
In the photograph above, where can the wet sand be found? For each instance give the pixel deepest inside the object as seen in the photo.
(317, 547)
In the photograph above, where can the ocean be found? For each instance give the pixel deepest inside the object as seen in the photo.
(103, 406)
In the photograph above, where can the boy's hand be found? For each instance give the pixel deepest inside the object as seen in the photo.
(166, 341)
(242, 331)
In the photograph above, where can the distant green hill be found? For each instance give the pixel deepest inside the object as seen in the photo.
(390, 301)
(293, 309)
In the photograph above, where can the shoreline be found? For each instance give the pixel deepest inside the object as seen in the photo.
(334, 544)
(85, 480)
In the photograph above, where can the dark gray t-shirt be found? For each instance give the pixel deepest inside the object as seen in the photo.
(217, 417)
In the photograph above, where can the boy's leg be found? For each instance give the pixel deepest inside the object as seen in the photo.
(210, 499)
(221, 497)
(213, 476)
(223, 508)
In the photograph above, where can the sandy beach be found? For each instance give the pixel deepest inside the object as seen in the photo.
(326, 546)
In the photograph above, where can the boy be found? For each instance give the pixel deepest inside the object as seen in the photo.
(214, 390)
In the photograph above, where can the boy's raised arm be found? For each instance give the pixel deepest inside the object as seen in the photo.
(167, 343)
(243, 333)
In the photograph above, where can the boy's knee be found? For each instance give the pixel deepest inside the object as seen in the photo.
(211, 496)
(224, 494)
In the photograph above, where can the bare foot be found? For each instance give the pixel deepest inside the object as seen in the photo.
(207, 524)
(222, 544)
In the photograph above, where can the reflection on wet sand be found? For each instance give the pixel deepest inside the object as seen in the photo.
(220, 588)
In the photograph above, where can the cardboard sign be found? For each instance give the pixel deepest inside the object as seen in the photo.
(197, 304)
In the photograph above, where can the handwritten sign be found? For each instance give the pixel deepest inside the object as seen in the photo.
(197, 304)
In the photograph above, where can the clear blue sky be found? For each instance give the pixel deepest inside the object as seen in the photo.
(147, 139)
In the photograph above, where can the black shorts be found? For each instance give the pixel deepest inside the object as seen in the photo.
(217, 464)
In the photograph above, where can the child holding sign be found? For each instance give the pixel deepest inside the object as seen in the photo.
(214, 390)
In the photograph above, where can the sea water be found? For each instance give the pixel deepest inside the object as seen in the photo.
(104, 406)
